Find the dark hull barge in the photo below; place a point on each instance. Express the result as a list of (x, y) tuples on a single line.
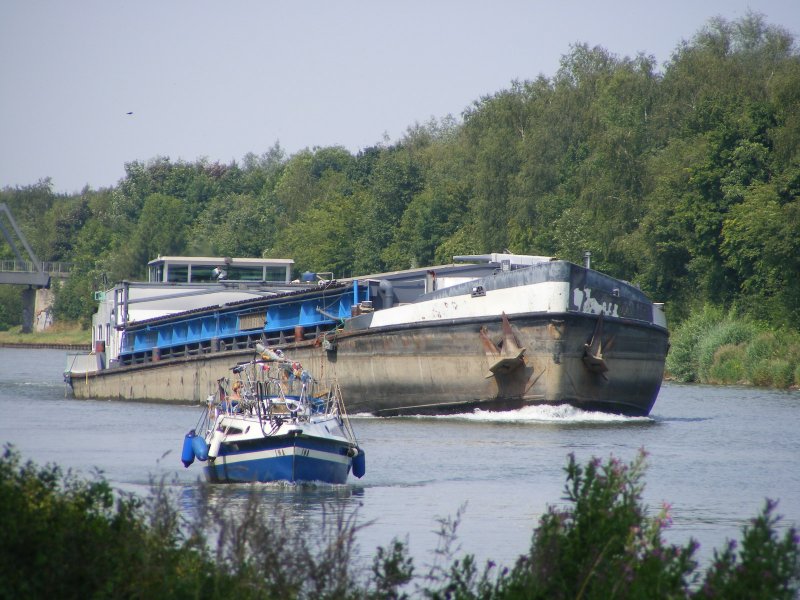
[(498, 335)]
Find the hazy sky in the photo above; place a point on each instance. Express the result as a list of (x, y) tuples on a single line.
[(219, 79)]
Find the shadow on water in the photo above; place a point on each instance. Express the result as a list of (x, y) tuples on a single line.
[(300, 498), (658, 419), (297, 494), (290, 515)]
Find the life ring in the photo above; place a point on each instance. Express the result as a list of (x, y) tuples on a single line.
[(292, 405)]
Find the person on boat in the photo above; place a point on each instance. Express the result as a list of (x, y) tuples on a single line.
[(235, 393)]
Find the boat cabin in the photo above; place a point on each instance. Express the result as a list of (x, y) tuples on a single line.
[(210, 269)]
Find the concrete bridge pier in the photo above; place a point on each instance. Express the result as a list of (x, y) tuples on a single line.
[(43, 314), (28, 308)]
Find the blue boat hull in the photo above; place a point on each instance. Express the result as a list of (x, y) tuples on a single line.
[(281, 458)]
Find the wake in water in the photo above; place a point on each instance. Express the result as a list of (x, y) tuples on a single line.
[(546, 413), (540, 413)]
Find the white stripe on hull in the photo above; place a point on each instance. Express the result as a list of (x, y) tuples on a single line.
[(549, 296), (229, 459)]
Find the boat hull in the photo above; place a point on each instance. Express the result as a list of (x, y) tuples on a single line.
[(553, 332), (440, 367), (281, 458)]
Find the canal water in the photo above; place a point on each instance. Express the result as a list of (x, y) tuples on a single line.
[(714, 454)]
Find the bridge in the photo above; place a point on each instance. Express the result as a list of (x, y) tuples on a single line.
[(27, 270), (20, 272)]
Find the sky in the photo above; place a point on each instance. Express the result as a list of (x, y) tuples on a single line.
[(88, 86)]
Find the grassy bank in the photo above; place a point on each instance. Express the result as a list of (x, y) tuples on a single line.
[(718, 348), (60, 334)]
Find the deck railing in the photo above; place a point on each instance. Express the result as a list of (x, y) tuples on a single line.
[(27, 266)]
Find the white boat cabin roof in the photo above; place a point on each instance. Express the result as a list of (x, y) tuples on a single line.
[(204, 269)]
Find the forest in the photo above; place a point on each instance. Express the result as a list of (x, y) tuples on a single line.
[(682, 178)]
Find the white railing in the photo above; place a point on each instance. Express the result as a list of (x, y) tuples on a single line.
[(27, 266)]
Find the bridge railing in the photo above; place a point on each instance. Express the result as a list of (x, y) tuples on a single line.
[(27, 266)]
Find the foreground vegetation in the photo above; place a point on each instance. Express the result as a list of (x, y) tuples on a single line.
[(68, 537)]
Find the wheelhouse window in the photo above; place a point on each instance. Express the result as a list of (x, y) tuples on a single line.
[(236, 273), (156, 273), (276, 274), (178, 273), (206, 269), (203, 273)]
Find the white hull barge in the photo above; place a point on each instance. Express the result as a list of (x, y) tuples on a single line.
[(548, 331)]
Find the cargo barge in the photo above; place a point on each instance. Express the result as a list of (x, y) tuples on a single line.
[(491, 332)]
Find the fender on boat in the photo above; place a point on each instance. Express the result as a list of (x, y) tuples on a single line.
[(359, 464), (187, 455), (213, 448), (200, 448)]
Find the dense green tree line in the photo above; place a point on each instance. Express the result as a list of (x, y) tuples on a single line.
[(683, 179)]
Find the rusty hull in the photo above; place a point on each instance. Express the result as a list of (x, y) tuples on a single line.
[(443, 367)]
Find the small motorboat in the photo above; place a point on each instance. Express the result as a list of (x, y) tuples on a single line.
[(267, 423)]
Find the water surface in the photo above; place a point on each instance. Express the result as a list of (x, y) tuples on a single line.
[(715, 454)]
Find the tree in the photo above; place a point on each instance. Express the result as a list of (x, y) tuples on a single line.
[(324, 238), (160, 230), (235, 225), (29, 204), (761, 244), (66, 219)]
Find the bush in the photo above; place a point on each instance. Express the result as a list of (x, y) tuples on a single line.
[(65, 537), (10, 306), (782, 373), (682, 360), (773, 359), (68, 538), (772, 372), (792, 354), (797, 375), (765, 567), (604, 545), (728, 365), (763, 347), (5, 322), (721, 334), (711, 348), (74, 300)]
